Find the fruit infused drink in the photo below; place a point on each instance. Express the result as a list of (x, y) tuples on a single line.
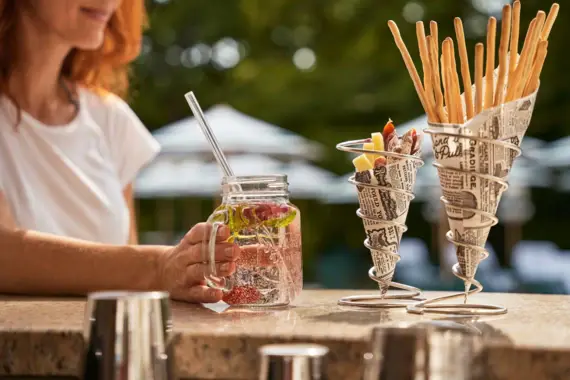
[(266, 226)]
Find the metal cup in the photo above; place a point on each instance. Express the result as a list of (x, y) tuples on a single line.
[(421, 354), (292, 362), (128, 337)]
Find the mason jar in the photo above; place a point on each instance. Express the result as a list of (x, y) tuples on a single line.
[(267, 227)]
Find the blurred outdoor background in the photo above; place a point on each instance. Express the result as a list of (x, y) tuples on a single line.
[(284, 81)]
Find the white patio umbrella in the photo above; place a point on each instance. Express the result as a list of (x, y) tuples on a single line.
[(556, 154), (236, 133), (172, 176), (305, 180), (169, 177), (341, 191), (308, 181)]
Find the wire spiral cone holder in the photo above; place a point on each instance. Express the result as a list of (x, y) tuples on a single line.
[(384, 195), (471, 195)]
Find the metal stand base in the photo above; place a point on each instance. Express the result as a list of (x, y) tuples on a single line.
[(465, 308), (384, 301)]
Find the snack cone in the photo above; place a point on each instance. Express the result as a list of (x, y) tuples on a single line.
[(473, 162), (384, 195)]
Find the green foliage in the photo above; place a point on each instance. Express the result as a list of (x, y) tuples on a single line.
[(359, 79)]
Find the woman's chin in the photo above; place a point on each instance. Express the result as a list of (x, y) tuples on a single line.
[(90, 41)]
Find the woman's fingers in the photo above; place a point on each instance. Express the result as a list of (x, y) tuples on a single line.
[(195, 273), (201, 233), (198, 253), (198, 294)]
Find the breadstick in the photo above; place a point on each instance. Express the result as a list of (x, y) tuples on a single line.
[(436, 80), (465, 73), (411, 68), (433, 30), (455, 83), (479, 53), (451, 74), (424, 55), (503, 51), (489, 73), (511, 91), (549, 22), (445, 70), (528, 56), (540, 24), (534, 79), (514, 44), (517, 75)]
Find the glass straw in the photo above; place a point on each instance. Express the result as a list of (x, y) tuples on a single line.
[(209, 133)]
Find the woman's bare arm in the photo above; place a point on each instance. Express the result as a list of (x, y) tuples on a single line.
[(37, 263), (130, 199)]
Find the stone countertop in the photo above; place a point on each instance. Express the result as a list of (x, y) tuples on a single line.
[(43, 336)]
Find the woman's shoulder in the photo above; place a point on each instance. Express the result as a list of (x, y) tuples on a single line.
[(110, 112), (100, 102), (131, 144)]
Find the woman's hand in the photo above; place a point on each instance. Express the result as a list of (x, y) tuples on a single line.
[(182, 268)]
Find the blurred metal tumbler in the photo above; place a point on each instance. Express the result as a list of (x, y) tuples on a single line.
[(128, 337), (292, 362), (421, 354)]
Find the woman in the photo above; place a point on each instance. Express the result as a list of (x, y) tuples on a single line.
[(69, 151)]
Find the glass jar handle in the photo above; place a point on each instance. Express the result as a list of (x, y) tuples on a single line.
[(209, 253)]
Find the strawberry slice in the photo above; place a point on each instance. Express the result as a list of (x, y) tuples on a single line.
[(263, 212), (240, 295), (275, 211)]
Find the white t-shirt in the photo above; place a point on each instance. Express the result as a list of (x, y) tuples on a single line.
[(68, 180)]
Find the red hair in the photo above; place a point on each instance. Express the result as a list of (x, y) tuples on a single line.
[(104, 69)]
